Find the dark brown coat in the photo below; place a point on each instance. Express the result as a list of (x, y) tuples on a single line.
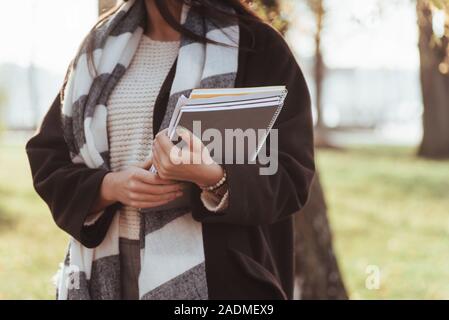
[(249, 247)]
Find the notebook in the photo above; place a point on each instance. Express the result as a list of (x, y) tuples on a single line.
[(228, 109), (231, 108)]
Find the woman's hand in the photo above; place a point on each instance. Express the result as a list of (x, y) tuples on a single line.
[(191, 163), (138, 188)]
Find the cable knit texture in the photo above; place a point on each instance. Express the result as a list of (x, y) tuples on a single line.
[(130, 114)]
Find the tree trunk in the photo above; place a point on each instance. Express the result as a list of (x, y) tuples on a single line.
[(319, 69), (319, 65), (435, 87), (33, 90), (317, 272), (105, 5)]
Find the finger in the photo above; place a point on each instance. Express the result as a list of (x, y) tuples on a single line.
[(167, 182), (190, 139), (157, 162), (184, 134), (164, 144), (145, 164), (167, 160), (140, 187), (159, 152), (162, 133), (151, 178)]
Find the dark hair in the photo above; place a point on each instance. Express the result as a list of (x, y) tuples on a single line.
[(210, 8)]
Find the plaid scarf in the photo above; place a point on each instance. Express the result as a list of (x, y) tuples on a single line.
[(172, 253)]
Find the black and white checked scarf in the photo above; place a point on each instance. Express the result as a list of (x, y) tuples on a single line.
[(172, 253)]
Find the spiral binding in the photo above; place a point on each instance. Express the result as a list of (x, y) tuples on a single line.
[(279, 108), (271, 124)]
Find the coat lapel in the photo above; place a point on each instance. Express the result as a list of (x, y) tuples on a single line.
[(162, 99)]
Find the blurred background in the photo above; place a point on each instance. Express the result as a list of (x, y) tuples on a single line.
[(377, 223)]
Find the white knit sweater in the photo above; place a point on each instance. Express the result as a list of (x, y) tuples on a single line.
[(130, 114), (130, 119)]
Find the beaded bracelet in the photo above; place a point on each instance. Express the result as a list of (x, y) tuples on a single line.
[(217, 185)]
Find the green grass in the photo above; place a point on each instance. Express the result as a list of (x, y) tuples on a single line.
[(31, 246), (387, 208)]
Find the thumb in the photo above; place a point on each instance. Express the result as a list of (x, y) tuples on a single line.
[(192, 141), (146, 164)]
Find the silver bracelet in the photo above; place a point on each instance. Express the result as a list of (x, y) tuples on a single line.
[(217, 185)]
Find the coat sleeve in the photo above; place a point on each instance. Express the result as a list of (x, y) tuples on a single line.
[(69, 189), (256, 199)]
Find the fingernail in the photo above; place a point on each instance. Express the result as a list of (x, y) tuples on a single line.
[(180, 129)]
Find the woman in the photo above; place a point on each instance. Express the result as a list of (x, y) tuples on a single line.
[(232, 237)]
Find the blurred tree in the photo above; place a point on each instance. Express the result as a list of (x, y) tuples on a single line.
[(104, 5), (33, 93), (434, 58), (317, 269), (318, 10), (3, 99), (32, 74), (270, 11)]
